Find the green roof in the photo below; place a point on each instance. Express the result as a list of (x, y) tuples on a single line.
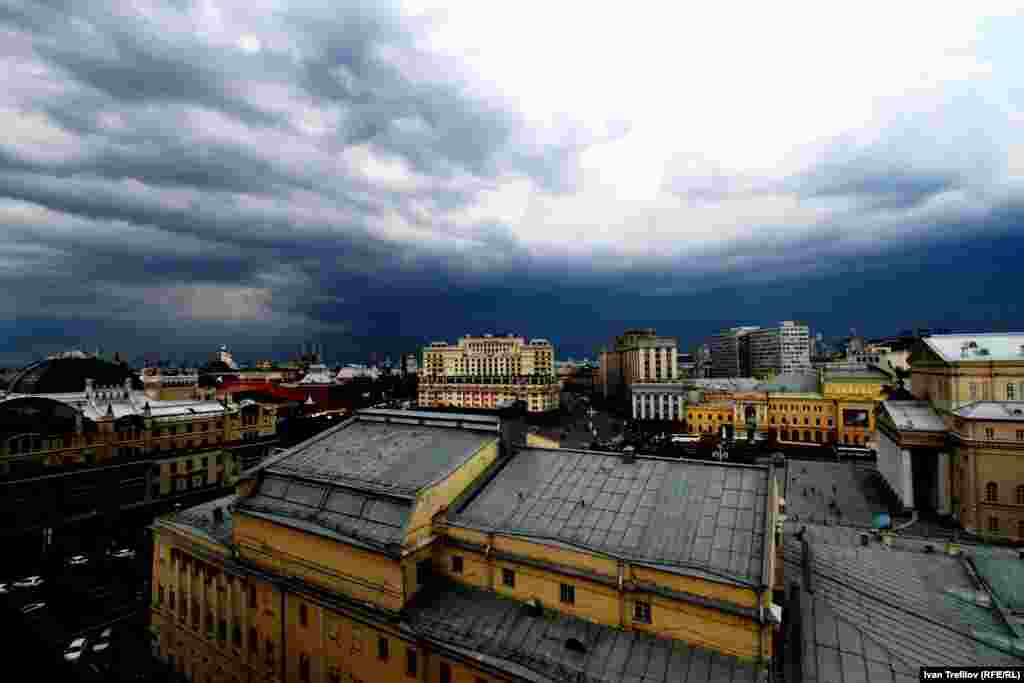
[(1006, 577)]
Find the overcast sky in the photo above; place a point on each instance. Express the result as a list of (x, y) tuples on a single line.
[(183, 174)]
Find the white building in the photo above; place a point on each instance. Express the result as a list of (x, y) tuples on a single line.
[(658, 401), (784, 349)]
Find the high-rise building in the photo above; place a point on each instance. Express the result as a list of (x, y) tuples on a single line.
[(639, 356), (727, 352), (779, 350), (484, 372)]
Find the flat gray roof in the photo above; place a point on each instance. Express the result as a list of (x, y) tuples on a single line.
[(503, 631), (682, 513), (396, 459), (357, 482)]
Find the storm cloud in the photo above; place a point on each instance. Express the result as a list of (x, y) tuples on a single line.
[(180, 174)]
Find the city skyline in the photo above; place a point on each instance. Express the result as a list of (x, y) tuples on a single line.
[(184, 175)]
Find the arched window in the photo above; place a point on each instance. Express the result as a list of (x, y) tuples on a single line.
[(992, 492)]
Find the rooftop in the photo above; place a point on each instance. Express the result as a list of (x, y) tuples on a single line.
[(865, 372), (992, 410), (877, 614), (986, 347), (687, 514), (914, 416), (398, 458), (203, 520), (359, 480), (504, 632)]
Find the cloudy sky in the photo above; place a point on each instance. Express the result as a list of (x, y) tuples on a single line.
[(180, 174)]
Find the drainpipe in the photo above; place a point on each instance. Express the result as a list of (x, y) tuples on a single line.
[(284, 633)]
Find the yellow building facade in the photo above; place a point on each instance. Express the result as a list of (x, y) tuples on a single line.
[(305, 578), (959, 448), (484, 372)]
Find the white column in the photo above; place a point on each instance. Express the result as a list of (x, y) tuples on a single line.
[(674, 362), (942, 503), (643, 406), (908, 479)]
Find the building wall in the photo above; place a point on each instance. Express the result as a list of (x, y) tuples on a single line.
[(598, 598), (345, 569), (432, 499), (658, 402)]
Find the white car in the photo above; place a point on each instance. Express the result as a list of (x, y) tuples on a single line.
[(103, 642), (74, 650), (5, 588), (33, 607), (77, 560), (123, 553), (29, 582)]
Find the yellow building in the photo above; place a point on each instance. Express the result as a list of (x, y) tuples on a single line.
[(168, 384), (191, 444), (708, 418), (411, 546), (960, 449), (484, 372)]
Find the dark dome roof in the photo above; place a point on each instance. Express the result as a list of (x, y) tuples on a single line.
[(67, 375)]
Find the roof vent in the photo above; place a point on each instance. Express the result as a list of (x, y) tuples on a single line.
[(574, 645)]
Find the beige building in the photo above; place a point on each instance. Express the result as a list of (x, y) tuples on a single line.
[(404, 546), (960, 450), (639, 356), (168, 384), (484, 372)]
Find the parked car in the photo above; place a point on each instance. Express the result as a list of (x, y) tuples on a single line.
[(33, 607), (29, 582), (77, 560), (123, 553), (74, 650), (5, 588)]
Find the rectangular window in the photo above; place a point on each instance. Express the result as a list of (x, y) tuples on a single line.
[(174, 468), (222, 630), (1020, 435), (252, 597), (972, 387), (642, 612), (990, 433), (456, 564), (446, 673), (203, 427), (568, 594), (508, 577), (1010, 392), (382, 649), (993, 524), (303, 614), (411, 663), (203, 462)]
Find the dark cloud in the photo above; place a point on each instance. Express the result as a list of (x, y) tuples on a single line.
[(170, 188)]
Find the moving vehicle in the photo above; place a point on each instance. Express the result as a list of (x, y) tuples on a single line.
[(123, 553), (74, 650), (103, 642), (33, 607), (29, 582), (77, 560)]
